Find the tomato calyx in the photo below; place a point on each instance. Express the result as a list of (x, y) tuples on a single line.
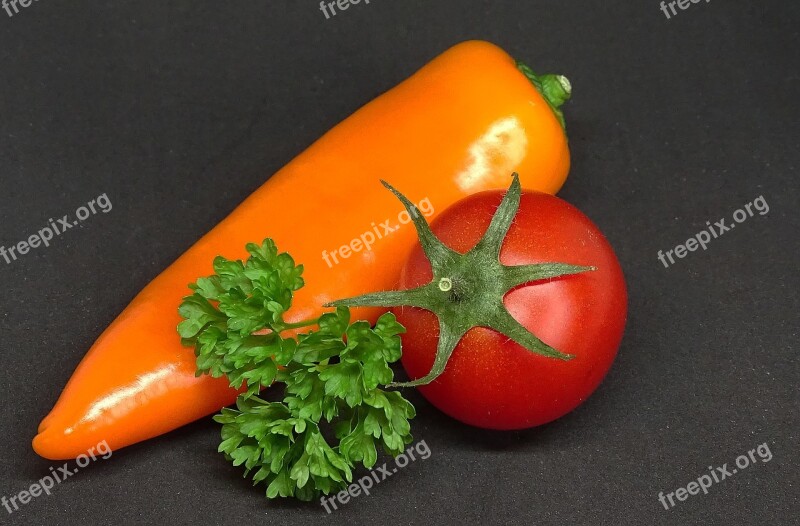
[(467, 290)]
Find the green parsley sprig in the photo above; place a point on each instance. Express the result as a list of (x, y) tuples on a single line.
[(332, 377)]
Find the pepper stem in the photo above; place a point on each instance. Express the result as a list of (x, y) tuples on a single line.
[(556, 89)]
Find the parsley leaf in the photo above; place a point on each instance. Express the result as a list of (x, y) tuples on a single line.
[(334, 413), (234, 318)]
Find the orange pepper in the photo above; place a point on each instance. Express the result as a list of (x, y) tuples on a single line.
[(460, 125)]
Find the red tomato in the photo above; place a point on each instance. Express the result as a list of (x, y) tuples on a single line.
[(491, 381)]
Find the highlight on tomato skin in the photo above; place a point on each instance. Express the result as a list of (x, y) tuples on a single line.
[(491, 381)]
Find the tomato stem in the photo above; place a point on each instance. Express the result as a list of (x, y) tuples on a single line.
[(475, 284)]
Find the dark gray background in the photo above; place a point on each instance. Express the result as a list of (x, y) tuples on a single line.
[(178, 110)]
